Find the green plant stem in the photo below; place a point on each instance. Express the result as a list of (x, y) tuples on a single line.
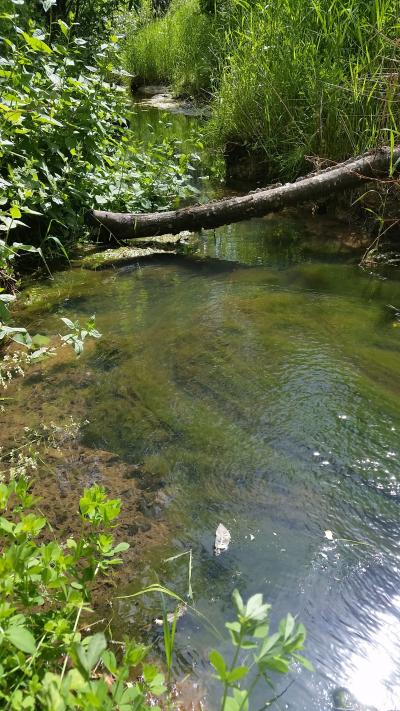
[(232, 666), (64, 667)]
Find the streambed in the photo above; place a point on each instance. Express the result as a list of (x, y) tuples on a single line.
[(261, 389)]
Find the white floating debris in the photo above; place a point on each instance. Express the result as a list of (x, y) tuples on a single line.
[(329, 535), (179, 612), (316, 454), (222, 539), (343, 417), (252, 537)]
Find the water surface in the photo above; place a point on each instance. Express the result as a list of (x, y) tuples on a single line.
[(263, 390)]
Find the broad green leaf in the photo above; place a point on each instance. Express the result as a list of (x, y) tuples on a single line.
[(21, 638), (6, 525), (14, 116), (236, 674), (36, 44), (96, 646), (110, 661), (277, 664), (218, 662)]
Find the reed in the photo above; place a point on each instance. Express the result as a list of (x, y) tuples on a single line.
[(289, 78)]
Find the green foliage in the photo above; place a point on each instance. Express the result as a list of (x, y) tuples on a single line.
[(45, 587), (65, 143), (265, 653), (291, 79), (45, 662), (177, 48), (309, 79), (77, 336)]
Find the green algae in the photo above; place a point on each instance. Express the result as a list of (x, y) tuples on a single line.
[(264, 394)]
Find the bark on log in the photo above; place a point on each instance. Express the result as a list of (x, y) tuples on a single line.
[(256, 204)]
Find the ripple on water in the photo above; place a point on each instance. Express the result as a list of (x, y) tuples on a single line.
[(266, 398)]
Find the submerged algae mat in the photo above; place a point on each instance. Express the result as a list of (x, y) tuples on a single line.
[(264, 395)]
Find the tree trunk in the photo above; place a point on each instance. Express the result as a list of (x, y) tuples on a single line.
[(222, 212)]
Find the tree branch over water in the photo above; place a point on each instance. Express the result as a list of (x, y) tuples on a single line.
[(341, 177)]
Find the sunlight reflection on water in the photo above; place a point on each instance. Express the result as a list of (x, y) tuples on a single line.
[(373, 669)]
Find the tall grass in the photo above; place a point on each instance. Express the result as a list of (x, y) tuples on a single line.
[(290, 78), (176, 49), (310, 78)]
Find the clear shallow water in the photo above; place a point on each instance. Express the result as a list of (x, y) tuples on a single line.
[(262, 389)]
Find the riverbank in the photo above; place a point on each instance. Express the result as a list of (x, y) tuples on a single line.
[(290, 86)]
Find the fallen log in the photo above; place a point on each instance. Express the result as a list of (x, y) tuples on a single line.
[(256, 204)]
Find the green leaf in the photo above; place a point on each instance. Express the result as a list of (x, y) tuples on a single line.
[(236, 674), (15, 212), (68, 322), (6, 525), (21, 638), (14, 116), (36, 44), (218, 662), (96, 646), (63, 27), (304, 662), (277, 664), (287, 626), (237, 601), (269, 644), (110, 661)]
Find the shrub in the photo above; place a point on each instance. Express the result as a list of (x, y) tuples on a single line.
[(65, 144)]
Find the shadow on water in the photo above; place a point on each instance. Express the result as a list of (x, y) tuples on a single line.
[(264, 395)]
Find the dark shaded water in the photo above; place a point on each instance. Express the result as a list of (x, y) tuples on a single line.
[(263, 390)]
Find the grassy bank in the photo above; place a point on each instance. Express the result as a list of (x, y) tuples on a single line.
[(290, 79), (177, 48)]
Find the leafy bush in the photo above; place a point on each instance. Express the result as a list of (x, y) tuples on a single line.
[(45, 587), (65, 144)]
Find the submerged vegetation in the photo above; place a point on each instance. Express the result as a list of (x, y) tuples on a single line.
[(291, 80), (52, 657)]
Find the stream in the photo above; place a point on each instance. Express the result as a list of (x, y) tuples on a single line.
[(260, 389)]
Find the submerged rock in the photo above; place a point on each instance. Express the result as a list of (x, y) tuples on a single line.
[(140, 248), (222, 539), (343, 700)]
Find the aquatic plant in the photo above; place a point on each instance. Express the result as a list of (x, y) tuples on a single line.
[(269, 653), (78, 334)]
